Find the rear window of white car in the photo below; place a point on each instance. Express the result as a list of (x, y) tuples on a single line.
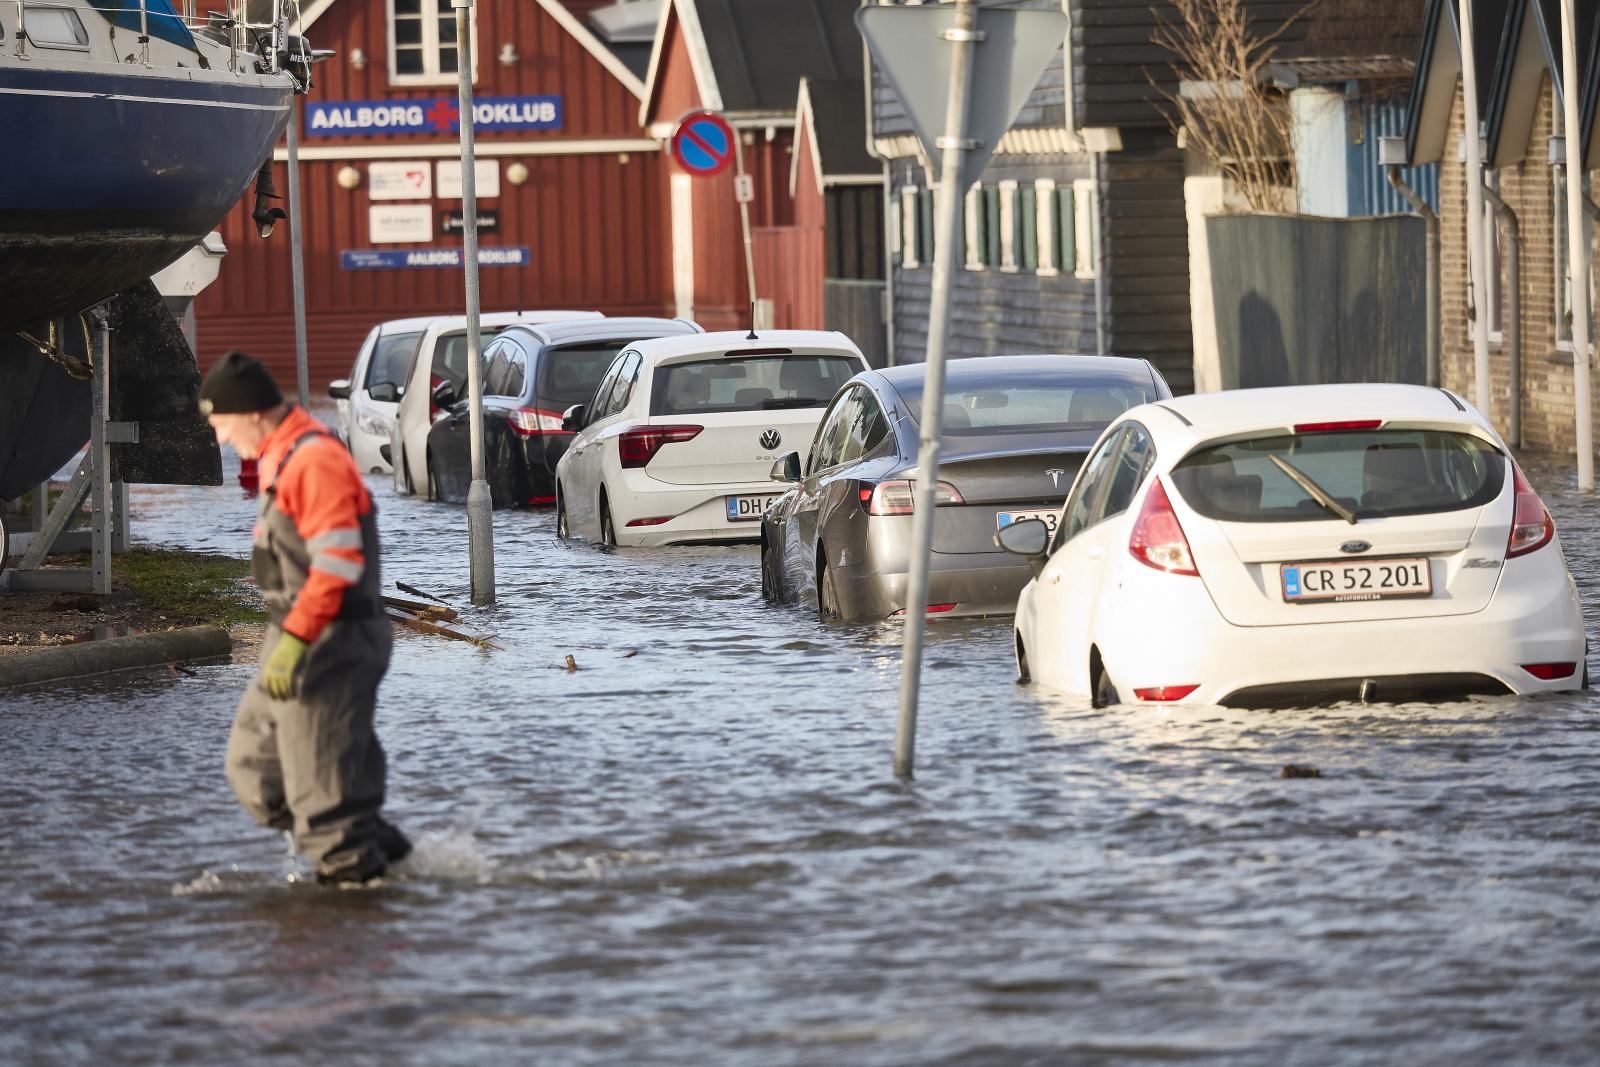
[(1374, 473), (749, 383), (450, 355)]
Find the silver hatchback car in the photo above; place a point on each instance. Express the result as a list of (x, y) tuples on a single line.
[(1016, 429)]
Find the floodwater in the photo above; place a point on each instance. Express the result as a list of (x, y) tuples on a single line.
[(692, 850)]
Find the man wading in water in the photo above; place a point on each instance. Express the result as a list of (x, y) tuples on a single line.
[(303, 755)]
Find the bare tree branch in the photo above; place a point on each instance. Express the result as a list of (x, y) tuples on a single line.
[(1225, 100)]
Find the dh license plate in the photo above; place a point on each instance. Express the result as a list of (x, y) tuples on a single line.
[(749, 508), (1003, 519), (1337, 580)]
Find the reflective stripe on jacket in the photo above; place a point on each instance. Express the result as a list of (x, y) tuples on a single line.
[(315, 551)]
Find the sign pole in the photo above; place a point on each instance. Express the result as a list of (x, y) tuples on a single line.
[(740, 186), (297, 257), (1478, 309), (480, 506), (1577, 249), (953, 144)]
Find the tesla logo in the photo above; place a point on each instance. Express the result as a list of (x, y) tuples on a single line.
[(1055, 477), (771, 439)]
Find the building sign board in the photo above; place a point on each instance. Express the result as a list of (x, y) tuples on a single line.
[(486, 170), (410, 180), (373, 118), (399, 223), (455, 221), (435, 258)]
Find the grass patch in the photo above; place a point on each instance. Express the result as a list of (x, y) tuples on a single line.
[(189, 585)]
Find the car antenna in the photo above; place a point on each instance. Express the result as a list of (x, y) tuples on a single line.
[(751, 336)]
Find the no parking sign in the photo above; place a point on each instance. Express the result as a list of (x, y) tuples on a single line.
[(703, 143)]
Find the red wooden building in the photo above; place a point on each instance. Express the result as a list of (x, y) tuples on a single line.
[(577, 194), (745, 59)]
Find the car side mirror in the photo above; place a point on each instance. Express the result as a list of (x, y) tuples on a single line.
[(1030, 538), (339, 390), (384, 392), (444, 395), (572, 418), (787, 468)]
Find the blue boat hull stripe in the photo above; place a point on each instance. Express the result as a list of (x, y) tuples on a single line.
[(144, 99)]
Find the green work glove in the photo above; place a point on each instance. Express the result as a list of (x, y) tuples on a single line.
[(280, 667)]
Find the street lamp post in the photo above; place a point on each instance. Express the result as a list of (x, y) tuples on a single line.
[(480, 507)]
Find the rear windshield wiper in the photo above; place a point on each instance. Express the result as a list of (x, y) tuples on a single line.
[(791, 402), (1319, 494)]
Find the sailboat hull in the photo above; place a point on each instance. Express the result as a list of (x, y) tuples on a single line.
[(114, 170)]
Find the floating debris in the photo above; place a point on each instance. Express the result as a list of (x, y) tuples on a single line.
[(414, 591), (1291, 770), (572, 664)]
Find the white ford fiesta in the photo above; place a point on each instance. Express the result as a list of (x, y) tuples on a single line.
[(1302, 545), (677, 445)]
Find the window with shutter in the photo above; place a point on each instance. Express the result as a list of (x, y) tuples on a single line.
[(1028, 227)]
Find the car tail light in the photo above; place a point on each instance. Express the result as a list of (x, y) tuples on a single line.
[(539, 501), (1336, 427), (932, 609), (1531, 525), (1158, 539), (536, 422), (899, 497), (657, 521), (639, 446), (1549, 672), (1165, 693)]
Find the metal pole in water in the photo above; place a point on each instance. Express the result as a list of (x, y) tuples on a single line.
[(297, 258), (100, 450), (480, 506), (1475, 257), (1577, 250), (961, 37)]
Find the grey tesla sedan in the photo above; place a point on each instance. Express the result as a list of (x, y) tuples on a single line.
[(1016, 429)]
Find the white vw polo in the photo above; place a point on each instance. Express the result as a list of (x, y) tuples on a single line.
[(677, 445), (1300, 545)]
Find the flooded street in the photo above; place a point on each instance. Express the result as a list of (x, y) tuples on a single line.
[(692, 849)]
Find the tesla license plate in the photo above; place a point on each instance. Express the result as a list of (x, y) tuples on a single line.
[(1003, 519), (749, 508), (1373, 579)]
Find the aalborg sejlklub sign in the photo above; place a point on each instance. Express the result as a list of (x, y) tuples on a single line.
[(367, 118)]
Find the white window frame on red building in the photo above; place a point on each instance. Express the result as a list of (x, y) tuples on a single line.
[(432, 47)]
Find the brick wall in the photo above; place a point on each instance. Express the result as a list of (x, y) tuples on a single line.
[(1547, 374)]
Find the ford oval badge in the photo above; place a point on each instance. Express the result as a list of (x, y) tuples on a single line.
[(1354, 546)]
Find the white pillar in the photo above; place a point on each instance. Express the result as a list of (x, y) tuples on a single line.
[(1474, 178), (1577, 249)]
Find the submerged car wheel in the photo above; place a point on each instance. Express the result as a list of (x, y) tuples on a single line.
[(561, 515), (827, 595), (1023, 674), (1105, 693), (433, 479), (771, 578), (608, 532)]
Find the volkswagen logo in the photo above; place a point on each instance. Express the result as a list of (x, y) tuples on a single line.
[(771, 439), (1055, 476), (1354, 546)]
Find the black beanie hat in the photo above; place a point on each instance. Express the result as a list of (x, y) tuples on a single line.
[(238, 385)]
